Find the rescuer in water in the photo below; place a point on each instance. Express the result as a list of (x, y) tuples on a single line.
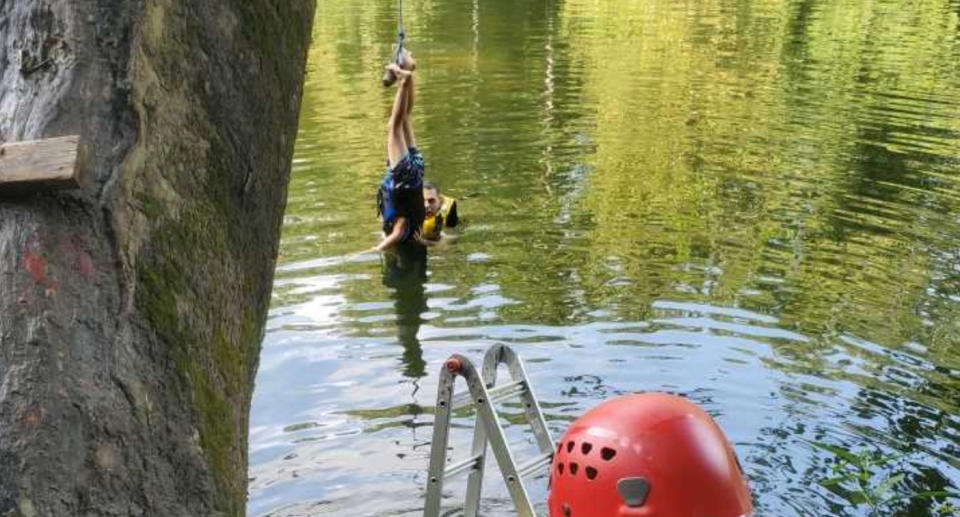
[(441, 212)]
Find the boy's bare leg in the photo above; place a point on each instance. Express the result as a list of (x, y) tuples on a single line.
[(408, 63), (396, 141), (409, 138)]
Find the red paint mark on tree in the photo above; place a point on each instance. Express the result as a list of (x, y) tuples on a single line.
[(32, 416), (36, 266)]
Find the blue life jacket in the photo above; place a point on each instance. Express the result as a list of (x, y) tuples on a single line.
[(401, 194)]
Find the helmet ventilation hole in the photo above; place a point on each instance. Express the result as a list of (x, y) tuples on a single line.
[(607, 453), (585, 448), (569, 446), (559, 468), (591, 473), (574, 468)]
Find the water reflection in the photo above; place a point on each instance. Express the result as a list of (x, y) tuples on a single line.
[(405, 271), (753, 204)]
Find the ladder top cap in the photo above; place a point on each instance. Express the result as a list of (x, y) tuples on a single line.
[(453, 365)]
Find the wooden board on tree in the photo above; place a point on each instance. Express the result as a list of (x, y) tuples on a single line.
[(39, 164)]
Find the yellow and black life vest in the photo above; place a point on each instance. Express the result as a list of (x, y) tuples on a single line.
[(445, 217)]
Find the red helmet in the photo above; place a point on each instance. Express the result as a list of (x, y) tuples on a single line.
[(650, 455)]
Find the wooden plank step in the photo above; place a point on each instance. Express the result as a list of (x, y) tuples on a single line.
[(39, 164)]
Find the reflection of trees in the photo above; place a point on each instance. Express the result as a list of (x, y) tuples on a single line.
[(803, 174), (747, 165), (620, 151)]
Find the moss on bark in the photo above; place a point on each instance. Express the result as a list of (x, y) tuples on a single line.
[(133, 376)]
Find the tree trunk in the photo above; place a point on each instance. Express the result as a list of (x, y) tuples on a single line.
[(132, 309)]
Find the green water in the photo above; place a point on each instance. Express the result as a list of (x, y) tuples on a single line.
[(754, 204)]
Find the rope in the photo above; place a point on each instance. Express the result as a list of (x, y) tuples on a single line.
[(400, 34), (388, 77)]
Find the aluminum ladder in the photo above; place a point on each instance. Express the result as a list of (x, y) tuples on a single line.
[(483, 394)]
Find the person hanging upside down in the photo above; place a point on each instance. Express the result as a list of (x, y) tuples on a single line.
[(400, 199)]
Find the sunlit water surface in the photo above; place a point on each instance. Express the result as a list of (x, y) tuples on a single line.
[(754, 204)]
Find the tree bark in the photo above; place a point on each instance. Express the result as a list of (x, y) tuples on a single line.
[(132, 310)]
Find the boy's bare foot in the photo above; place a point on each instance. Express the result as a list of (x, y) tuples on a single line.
[(399, 72), (406, 60)]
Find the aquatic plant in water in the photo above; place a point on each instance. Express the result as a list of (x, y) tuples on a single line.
[(868, 479)]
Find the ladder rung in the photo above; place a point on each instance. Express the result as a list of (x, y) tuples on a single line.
[(461, 400), (497, 394), (461, 467), (535, 464), (506, 391)]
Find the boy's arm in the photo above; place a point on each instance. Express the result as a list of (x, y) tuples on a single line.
[(399, 228)]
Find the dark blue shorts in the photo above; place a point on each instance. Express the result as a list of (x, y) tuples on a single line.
[(409, 170)]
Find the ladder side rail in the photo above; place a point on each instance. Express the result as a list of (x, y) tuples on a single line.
[(438, 444), (498, 354), (498, 444), (531, 406), (471, 507)]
